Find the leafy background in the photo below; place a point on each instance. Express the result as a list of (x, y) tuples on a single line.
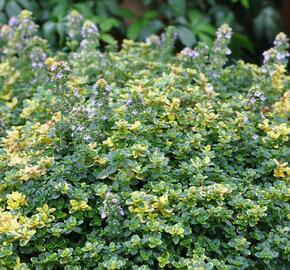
[(255, 22)]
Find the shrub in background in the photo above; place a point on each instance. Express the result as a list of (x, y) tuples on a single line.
[(139, 158), (255, 22)]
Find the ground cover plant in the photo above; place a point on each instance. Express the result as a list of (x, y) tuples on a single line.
[(139, 158)]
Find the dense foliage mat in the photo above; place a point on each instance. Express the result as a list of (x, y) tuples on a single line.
[(141, 159)]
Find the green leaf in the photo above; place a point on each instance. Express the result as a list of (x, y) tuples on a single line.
[(2, 3), (2, 17), (194, 17), (84, 9), (59, 12), (205, 38), (150, 15), (106, 172), (178, 6), (206, 28), (111, 169), (186, 36), (151, 28), (108, 39), (25, 4), (244, 41), (134, 30), (48, 29), (200, 26), (118, 11), (12, 8), (245, 3), (106, 24), (223, 14), (60, 28), (267, 23)]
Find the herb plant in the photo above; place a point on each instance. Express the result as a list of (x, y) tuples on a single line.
[(140, 158)]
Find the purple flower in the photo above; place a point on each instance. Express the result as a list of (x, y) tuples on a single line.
[(31, 27), (255, 137), (252, 100), (266, 56), (91, 112), (53, 68), (282, 56), (19, 46), (89, 30), (84, 43), (228, 51), (107, 88), (58, 76), (129, 101), (228, 35), (189, 52), (76, 93), (79, 128), (258, 94), (87, 138), (74, 20), (37, 58), (13, 21)]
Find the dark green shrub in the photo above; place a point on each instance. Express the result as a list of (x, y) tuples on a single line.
[(141, 159)]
